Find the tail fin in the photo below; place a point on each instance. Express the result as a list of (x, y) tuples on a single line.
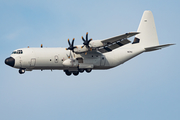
[(148, 35)]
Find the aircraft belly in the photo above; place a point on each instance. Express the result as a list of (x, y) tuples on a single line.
[(94, 61), (120, 56)]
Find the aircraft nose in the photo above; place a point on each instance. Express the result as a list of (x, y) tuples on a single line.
[(10, 61)]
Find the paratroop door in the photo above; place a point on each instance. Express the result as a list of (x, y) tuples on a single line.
[(103, 60), (33, 62)]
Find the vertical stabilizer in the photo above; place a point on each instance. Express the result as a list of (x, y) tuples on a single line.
[(148, 35)]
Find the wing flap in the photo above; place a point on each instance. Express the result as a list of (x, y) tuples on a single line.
[(113, 46)]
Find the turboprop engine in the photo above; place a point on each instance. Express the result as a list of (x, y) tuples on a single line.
[(80, 49), (96, 44), (92, 45), (88, 44)]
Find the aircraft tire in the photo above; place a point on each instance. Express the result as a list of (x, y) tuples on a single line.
[(21, 71), (88, 70), (81, 70), (68, 73), (76, 73)]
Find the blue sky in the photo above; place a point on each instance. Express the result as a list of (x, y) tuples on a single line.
[(146, 87)]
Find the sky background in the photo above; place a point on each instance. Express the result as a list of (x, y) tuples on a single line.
[(144, 88)]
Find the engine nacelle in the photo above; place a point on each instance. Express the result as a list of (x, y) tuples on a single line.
[(81, 49), (92, 44), (70, 63), (96, 44)]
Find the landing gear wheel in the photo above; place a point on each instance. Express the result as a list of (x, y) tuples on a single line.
[(68, 73), (88, 70), (21, 71), (76, 73), (81, 70)]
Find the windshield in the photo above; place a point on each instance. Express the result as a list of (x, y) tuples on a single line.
[(17, 52)]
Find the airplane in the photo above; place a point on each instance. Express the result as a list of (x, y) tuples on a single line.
[(92, 55)]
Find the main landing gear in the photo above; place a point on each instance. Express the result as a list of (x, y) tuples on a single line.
[(21, 71), (75, 73)]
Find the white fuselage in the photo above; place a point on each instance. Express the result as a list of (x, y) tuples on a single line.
[(96, 54), (53, 58)]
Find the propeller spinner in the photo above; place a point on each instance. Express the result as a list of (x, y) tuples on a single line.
[(71, 45), (86, 41)]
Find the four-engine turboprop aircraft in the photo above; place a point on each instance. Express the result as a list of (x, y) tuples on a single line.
[(93, 54)]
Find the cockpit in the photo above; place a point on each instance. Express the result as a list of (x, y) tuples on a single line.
[(17, 52)]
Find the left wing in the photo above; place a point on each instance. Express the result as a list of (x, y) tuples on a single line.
[(115, 42)]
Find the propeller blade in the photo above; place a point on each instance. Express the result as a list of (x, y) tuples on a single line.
[(71, 55), (71, 45), (73, 41), (87, 36), (67, 55), (86, 41), (83, 38), (69, 42)]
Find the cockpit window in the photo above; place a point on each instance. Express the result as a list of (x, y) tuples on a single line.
[(17, 52)]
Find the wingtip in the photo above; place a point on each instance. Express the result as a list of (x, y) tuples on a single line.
[(135, 32), (172, 44)]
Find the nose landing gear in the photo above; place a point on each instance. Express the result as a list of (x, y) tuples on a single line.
[(22, 71)]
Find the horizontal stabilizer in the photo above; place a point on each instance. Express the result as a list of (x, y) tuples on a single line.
[(157, 47)]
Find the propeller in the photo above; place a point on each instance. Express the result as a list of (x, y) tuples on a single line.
[(86, 41), (71, 45), (70, 56)]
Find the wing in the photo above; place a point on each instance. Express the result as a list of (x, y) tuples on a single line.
[(115, 42)]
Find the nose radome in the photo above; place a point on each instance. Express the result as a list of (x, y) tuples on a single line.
[(10, 61)]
